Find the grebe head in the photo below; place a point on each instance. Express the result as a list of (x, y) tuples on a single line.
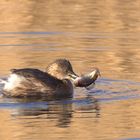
[(61, 69)]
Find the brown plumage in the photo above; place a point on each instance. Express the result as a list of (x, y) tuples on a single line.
[(35, 83), (56, 82)]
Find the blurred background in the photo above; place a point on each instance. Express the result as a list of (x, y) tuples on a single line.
[(90, 33)]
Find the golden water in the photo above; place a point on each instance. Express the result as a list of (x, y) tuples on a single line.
[(90, 33)]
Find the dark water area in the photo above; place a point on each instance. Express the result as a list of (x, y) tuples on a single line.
[(90, 33)]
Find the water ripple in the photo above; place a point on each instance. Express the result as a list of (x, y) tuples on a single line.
[(106, 90)]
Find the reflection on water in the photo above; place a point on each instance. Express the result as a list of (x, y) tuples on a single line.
[(111, 107), (90, 33), (45, 119)]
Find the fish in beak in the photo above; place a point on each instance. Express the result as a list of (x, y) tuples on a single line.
[(86, 80)]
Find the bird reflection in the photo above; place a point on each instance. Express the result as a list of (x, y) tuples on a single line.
[(45, 110), (60, 111)]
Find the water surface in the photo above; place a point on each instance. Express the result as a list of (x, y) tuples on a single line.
[(91, 33)]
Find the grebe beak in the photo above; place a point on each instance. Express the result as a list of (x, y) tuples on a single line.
[(72, 76)]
